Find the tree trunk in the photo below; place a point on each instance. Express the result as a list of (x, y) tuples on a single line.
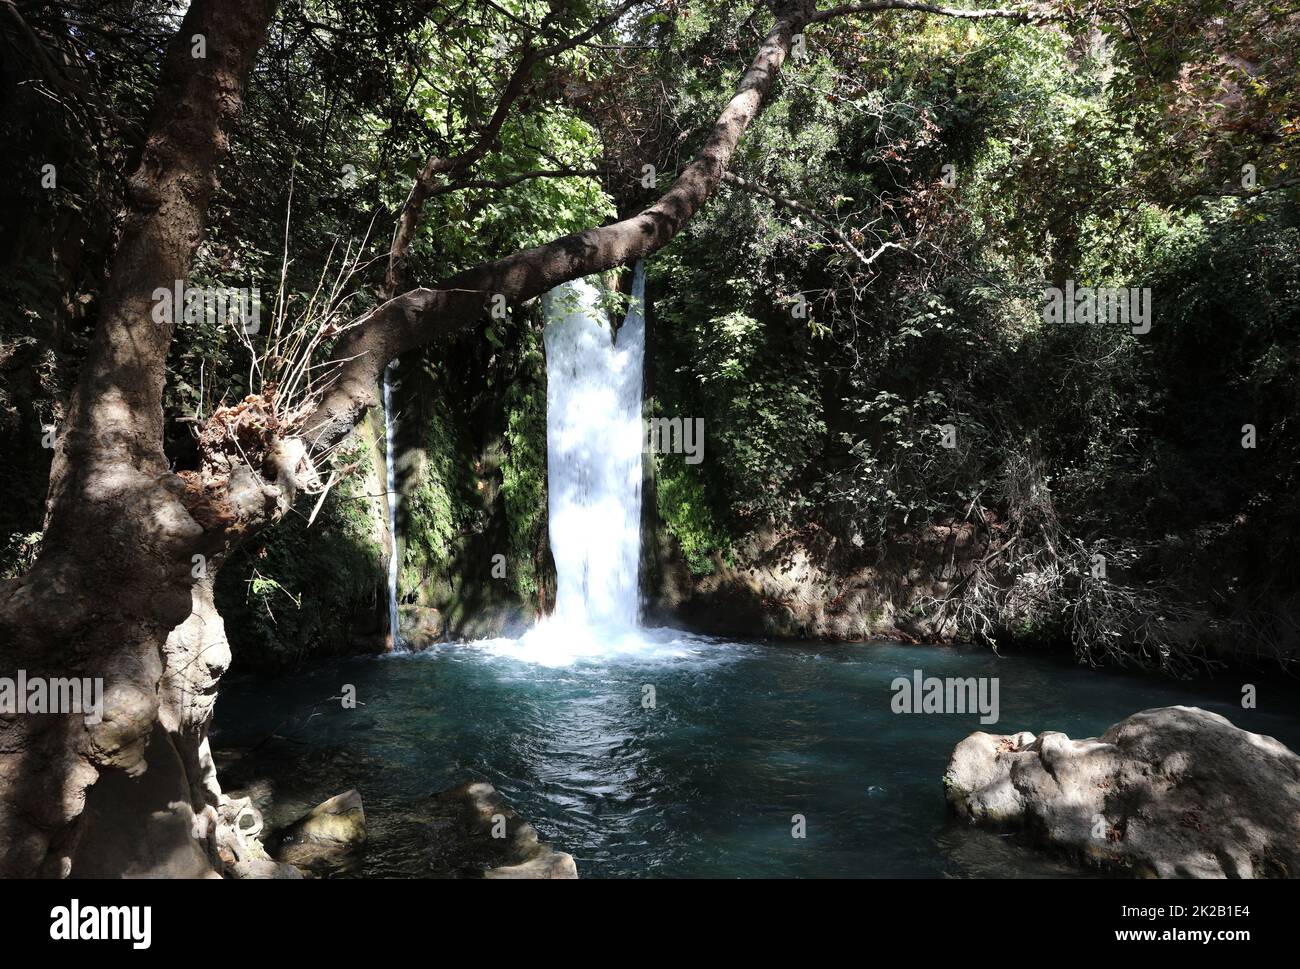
[(117, 567)]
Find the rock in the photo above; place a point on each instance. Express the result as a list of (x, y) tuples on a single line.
[(327, 837), (484, 837), (239, 847), (421, 626), (809, 584), (1172, 792), (262, 868), (424, 627)]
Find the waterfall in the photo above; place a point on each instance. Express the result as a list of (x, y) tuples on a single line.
[(594, 442), (390, 463)]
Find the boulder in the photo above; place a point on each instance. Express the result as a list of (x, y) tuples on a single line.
[(421, 626), (326, 837), (1172, 792), (482, 836)]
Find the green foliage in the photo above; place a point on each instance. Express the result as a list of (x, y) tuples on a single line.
[(306, 589), (834, 419), (18, 553), (1098, 153), (685, 511)]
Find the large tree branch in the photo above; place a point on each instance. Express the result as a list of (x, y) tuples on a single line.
[(119, 390), (1024, 15), (417, 316)]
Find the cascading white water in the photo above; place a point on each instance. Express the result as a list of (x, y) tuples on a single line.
[(390, 463), (594, 440)]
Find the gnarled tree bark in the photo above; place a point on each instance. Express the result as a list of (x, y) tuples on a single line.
[(117, 569)]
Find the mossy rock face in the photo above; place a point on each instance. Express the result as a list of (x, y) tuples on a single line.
[(298, 591), (472, 470), (425, 626), (792, 585), (421, 625)]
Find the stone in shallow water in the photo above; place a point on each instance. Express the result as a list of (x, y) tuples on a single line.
[(1172, 792), (327, 837), (484, 837)]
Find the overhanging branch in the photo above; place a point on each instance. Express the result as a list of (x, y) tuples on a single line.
[(1024, 15), (419, 315)]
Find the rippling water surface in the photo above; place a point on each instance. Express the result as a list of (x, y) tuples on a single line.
[(741, 737)]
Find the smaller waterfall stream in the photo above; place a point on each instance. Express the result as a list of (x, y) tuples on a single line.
[(390, 466)]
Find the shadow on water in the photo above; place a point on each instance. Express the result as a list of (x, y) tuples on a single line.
[(708, 780)]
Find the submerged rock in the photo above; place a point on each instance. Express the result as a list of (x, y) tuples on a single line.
[(327, 837), (482, 836), (1172, 792)]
